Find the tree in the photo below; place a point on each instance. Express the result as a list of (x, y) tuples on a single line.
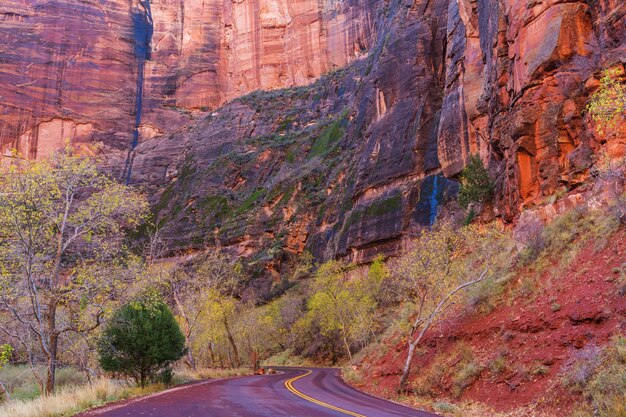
[(607, 109), (607, 106), (5, 355), (338, 305), (442, 263), (216, 335), (141, 339), (476, 185), (195, 289), (59, 219)]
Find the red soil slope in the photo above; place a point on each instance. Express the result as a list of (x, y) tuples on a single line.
[(538, 332)]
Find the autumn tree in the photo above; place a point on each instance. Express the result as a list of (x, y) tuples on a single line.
[(442, 263), (217, 335), (607, 108), (5, 355), (279, 320), (607, 105), (198, 289), (60, 219), (340, 305)]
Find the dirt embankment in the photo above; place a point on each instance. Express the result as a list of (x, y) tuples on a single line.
[(513, 359)]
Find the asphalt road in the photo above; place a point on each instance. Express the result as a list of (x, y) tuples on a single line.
[(294, 392)]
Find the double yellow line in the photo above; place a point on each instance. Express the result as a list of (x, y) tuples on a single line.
[(290, 387)]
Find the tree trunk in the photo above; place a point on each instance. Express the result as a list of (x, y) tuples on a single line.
[(212, 353), (407, 366), (53, 349), (50, 376), (231, 340), (412, 345), (347, 346), (181, 310), (189, 359), (6, 391)]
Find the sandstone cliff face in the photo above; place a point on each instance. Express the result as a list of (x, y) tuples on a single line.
[(518, 77), (122, 71), (346, 166)]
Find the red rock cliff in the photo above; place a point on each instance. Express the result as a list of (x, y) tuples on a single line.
[(72, 69), (347, 166)]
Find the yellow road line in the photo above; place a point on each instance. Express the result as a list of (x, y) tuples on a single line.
[(290, 387)]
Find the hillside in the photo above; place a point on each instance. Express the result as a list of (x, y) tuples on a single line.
[(525, 346)]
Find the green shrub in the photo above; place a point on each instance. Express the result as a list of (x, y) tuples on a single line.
[(141, 341), (465, 377), (444, 407), (476, 185)]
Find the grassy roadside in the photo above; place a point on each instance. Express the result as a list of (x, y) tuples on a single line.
[(71, 400)]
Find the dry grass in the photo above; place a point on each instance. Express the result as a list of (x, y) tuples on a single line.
[(601, 378), (72, 399), (351, 375), (22, 384), (66, 402)]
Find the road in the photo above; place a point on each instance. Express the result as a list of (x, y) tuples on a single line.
[(293, 392)]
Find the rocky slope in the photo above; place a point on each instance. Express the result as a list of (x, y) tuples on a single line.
[(347, 165)]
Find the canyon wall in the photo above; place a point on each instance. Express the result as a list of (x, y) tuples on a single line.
[(519, 75), (123, 71), (375, 108)]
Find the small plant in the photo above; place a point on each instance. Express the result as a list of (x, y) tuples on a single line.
[(476, 185), (540, 370), (555, 307), (141, 341), (351, 375), (444, 407), (582, 369), (600, 375), (607, 106), (527, 287), (5, 355), (530, 233), (621, 283), (498, 365), (466, 376)]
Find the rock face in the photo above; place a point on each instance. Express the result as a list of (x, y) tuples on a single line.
[(517, 82), (122, 71), (347, 164)]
